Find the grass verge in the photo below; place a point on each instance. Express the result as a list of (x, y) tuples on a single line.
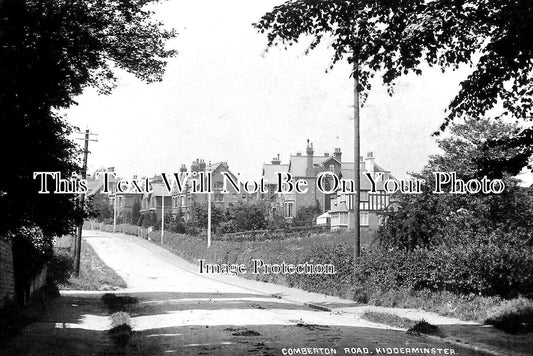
[(333, 248), (94, 273), (389, 319)]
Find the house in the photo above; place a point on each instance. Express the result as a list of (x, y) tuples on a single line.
[(102, 201), (270, 176), (125, 203), (308, 167), (371, 204), (184, 201), (158, 200)]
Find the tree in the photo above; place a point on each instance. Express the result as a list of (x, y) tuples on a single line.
[(396, 37), (135, 211), (428, 219), (244, 217), (199, 216), (50, 51), (100, 208), (306, 216)]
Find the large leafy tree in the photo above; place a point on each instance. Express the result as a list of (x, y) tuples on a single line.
[(428, 219), (50, 51), (397, 37)]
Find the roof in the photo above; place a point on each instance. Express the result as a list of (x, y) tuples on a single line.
[(160, 189), (270, 172), (363, 179), (94, 186), (339, 208), (298, 164)]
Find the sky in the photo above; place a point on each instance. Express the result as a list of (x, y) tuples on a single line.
[(224, 98)]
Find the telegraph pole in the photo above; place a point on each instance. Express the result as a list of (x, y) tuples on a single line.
[(162, 214), (209, 209), (357, 153), (77, 243)]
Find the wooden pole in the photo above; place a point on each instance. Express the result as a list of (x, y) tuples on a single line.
[(357, 153)]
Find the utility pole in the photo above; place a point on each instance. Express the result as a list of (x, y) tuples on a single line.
[(209, 208), (115, 212), (357, 153), (162, 214), (77, 243)]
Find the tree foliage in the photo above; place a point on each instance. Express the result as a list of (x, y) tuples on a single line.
[(244, 217), (393, 38), (428, 219), (50, 50), (306, 216)]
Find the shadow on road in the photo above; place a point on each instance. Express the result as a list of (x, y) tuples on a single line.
[(201, 324)]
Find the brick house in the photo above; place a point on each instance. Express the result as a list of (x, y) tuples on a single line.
[(96, 189), (184, 201), (159, 198), (300, 167), (308, 167), (125, 203), (270, 176)]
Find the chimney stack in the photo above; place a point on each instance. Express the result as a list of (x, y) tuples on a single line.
[(194, 166), (276, 160), (201, 165), (310, 171), (369, 162), (337, 154), (183, 168), (309, 150)]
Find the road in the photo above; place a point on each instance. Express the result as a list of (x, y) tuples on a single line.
[(182, 312)]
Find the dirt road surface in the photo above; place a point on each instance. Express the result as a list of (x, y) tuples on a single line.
[(181, 312)]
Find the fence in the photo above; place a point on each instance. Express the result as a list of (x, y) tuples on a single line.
[(155, 235)]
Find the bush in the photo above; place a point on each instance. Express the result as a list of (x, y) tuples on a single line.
[(148, 219), (60, 267), (306, 216), (499, 268)]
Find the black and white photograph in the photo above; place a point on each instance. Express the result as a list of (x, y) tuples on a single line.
[(269, 177)]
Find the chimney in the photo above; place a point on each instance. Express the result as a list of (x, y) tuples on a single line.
[(369, 162), (183, 168), (326, 154), (201, 165), (337, 153), (276, 160), (298, 154), (194, 166), (111, 169), (310, 171), (309, 150)]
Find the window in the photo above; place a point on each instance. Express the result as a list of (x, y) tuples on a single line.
[(219, 197), (219, 185), (344, 218), (289, 209), (363, 218), (332, 168)]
